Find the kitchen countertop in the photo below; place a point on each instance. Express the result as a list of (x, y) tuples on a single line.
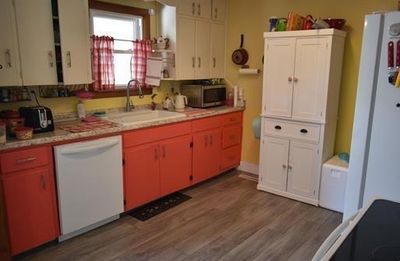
[(59, 135)]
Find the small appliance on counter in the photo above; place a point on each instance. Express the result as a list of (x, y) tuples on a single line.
[(39, 118), (204, 96)]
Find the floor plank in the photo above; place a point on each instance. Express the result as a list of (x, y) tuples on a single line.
[(226, 219)]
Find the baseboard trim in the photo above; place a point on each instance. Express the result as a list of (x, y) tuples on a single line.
[(248, 167)]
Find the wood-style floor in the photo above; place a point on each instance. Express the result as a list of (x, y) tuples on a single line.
[(226, 219)]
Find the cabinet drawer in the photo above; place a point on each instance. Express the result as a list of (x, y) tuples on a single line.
[(207, 123), (301, 131), (231, 136), (156, 133), (232, 118), (230, 157), (25, 159)]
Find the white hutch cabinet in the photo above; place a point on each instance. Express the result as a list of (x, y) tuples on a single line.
[(302, 74)]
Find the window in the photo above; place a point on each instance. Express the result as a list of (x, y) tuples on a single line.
[(124, 29)]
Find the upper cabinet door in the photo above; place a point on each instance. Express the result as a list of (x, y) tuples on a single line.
[(195, 8), (203, 50), (278, 77), (203, 9), (9, 58), (310, 78), (36, 41), (217, 50), (75, 41), (186, 57), (187, 7), (218, 10)]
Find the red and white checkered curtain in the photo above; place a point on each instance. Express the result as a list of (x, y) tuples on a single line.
[(103, 63), (141, 50)]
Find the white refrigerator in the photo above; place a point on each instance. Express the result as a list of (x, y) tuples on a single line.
[(374, 169)]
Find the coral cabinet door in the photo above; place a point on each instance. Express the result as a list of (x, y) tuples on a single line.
[(31, 208), (141, 180), (206, 154), (175, 164)]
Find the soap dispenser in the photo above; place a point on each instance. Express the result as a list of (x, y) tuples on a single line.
[(81, 109)]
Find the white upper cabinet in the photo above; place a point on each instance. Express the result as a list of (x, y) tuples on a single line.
[(310, 78), (36, 42), (197, 40), (202, 49), (29, 54), (218, 10), (193, 43), (9, 57), (302, 68), (217, 50), (186, 57), (75, 41), (195, 8), (278, 75)]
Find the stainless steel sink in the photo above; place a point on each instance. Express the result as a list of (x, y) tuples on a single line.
[(144, 116)]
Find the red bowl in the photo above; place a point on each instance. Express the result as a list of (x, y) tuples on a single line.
[(335, 23)]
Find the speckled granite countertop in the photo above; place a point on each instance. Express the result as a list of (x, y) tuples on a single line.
[(59, 135)]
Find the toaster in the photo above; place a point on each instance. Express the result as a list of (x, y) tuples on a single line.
[(39, 118)]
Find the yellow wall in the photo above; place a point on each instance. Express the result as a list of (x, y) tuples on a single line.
[(251, 19)]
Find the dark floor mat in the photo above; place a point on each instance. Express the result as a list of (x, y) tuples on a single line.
[(158, 206)]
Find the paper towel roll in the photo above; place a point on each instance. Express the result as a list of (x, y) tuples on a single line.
[(248, 71)]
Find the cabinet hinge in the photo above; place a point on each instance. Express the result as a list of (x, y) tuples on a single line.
[(321, 113), (124, 202), (191, 177), (191, 144), (318, 151), (123, 161)]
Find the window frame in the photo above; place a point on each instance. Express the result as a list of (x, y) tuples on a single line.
[(122, 9)]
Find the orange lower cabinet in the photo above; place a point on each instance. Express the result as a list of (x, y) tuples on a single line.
[(230, 157), (31, 208), (141, 179), (206, 154), (175, 164)]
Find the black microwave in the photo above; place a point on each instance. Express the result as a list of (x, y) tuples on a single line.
[(203, 96)]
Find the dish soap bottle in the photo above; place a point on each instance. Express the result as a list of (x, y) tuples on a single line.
[(81, 109)]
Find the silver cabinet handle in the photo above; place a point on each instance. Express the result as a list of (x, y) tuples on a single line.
[(193, 8), (216, 13), (214, 62), (206, 140), (43, 182), (199, 60), (25, 160), (295, 79), (290, 79), (198, 9), (69, 59), (8, 58), (193, 62), (290, 167), (284, 166), (164, 152), (50, 56)]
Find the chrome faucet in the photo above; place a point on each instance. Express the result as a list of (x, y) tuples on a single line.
[(129, 105)]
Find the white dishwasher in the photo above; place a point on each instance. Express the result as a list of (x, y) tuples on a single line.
[(89, 184)]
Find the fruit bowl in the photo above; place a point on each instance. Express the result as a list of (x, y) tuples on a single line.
[(336, 23)]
